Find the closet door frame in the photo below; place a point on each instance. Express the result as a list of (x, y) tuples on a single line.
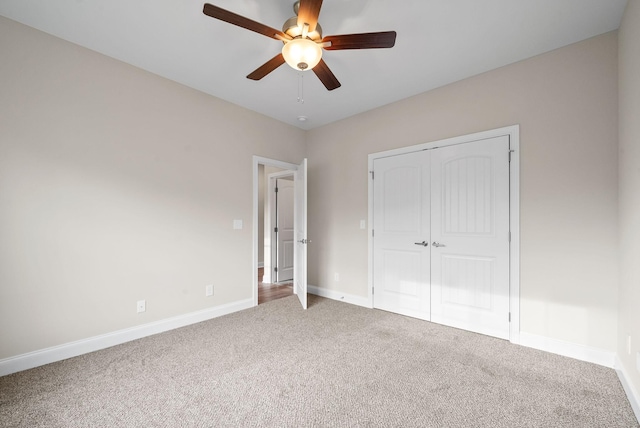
[(513, 132)]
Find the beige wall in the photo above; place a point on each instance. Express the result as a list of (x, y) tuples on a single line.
[(114, 187), (629, 71), (566, 104)]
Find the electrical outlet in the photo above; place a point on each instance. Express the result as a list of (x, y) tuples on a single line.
[(141, 306), (237, 224), (208, 291), (336, 277), (363, 224)]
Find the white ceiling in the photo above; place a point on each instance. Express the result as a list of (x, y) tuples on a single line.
[(438, 42)]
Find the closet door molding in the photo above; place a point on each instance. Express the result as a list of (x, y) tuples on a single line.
[(512, 134)]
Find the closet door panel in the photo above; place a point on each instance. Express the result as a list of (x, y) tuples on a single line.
[(401, 226), (470, 236)]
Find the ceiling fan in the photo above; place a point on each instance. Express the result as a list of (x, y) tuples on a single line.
[(303, 41)]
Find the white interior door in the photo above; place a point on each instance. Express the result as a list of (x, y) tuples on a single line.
[(300, 221), (401, 225), (470, 236), (285, 229)]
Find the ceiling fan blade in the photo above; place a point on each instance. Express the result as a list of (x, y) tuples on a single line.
[(267, 67), (326, 76), (384, 39), (308, 13), (241, 21)]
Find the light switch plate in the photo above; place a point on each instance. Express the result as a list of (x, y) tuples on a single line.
[(363, 224)]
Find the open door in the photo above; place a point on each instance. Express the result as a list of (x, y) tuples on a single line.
[(300, 225)]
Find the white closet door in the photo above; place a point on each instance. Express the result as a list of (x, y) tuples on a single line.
[(401, 224), (470, 236)]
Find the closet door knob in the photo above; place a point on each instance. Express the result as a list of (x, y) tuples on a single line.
[(437, 244), (423, 243)]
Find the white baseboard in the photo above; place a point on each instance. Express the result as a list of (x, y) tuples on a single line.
[(84, 346), (336, 295), (632, 393), (568, 349)]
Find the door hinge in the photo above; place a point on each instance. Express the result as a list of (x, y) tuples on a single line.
[(373, 233), (275, 229), (276, 190), (509, 236), (372, 175), (509, 316), (373, 291), (275, 269)]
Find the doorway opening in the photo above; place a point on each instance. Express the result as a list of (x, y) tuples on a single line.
[(276, 238), (279, 230)]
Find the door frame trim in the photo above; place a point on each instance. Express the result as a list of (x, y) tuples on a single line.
[(514, 211), (258, 160)]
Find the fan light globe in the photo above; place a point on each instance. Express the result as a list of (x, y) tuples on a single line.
[(302, 54)]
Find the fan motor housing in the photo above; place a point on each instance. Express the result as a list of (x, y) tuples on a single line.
[(291, 28)]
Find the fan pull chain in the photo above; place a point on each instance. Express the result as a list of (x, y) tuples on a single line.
[(301, 89)]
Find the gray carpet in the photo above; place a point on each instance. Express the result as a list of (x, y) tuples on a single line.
[(333, 365)]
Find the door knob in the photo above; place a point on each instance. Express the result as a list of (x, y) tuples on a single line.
[(423, 243), (305, 241), (437, 244)]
